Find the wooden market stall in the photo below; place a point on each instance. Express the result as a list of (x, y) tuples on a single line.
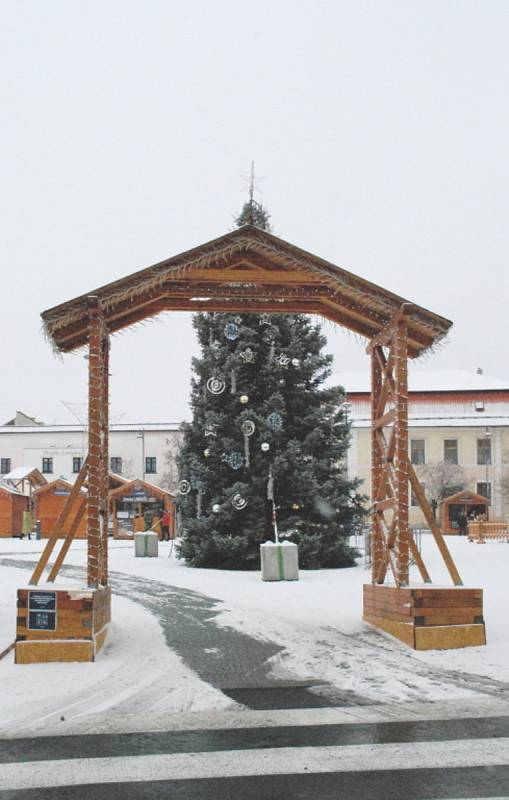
[(466, 505), (26, 480), (49, 501), (12, 505), (129, 503)]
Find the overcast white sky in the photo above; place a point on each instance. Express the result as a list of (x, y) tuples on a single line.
[(381, 129)]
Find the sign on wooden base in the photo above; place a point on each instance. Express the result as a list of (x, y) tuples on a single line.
[(61, 624), (427, 618)]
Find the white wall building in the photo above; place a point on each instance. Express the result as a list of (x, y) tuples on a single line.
[(453, 415), (145, 450)]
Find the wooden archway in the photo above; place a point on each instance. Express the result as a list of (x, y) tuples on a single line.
[(250, 270)]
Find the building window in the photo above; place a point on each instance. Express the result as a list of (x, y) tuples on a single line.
[(5, 466), (47, 466), (484, 451), (417, 451), (451, 451), (151, 465), (413, 497), (484, 489), (77, 463), (116, 464)]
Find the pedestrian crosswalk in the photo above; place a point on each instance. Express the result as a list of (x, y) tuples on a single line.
[(325, 753)]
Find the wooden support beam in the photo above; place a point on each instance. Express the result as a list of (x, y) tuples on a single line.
[(67, 541), (383, 505), (399, 346), (377, 543), (104, 505), (435, 530), (387, 419), (60, 523), (97, 414)]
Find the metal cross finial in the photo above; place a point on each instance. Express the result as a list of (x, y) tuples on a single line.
[(251, 183)]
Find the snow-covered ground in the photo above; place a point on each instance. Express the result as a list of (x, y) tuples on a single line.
[(317, 620)]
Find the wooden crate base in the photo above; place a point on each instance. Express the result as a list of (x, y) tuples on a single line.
[(427, 618), (82, 621)]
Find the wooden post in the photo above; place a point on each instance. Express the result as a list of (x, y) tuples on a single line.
[(104, 509), (377, 541), (401, 451), (97, 500)]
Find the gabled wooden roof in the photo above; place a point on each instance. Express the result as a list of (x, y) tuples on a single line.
[(466, 496), (247, 270), (30, 474), (130, 486), (58, 483)]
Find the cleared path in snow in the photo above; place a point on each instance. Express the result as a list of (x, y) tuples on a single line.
[(339, 669)]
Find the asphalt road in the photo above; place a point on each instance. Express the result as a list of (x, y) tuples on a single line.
[(424, 759)]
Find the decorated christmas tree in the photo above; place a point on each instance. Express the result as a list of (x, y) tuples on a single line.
[(267, 442)]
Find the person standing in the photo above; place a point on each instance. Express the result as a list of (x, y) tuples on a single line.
[(462, 523), (165, 524)]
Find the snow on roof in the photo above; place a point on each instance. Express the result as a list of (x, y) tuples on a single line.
[(443, 422), (6, 487), (451, 380), (19, 474), (135, 426)]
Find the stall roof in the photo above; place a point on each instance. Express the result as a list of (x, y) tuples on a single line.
[(6, 487), (128, 487), (246, 270), (466, 496), (31, 474), (58, 482), (116, 480)]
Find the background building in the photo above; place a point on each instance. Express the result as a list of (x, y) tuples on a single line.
[(145, 451), (456, 417)]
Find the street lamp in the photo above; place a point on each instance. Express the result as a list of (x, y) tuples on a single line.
[(141, 435), (487, 433)]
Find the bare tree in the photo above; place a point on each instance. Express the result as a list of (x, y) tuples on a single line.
[(441, 480), (170, 476)]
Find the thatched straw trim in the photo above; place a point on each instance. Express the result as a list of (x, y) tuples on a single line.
[(376, 303)]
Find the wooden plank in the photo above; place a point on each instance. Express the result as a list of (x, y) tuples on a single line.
[(463, 593), (435, 530), (390, 614), (450, 602), (386, 420), (69, 632), (402, 594), (449, 637), (383, 505), (68, 506), (403, 631), (45, 652), (233, 275), (68, 541), (458, 618)]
